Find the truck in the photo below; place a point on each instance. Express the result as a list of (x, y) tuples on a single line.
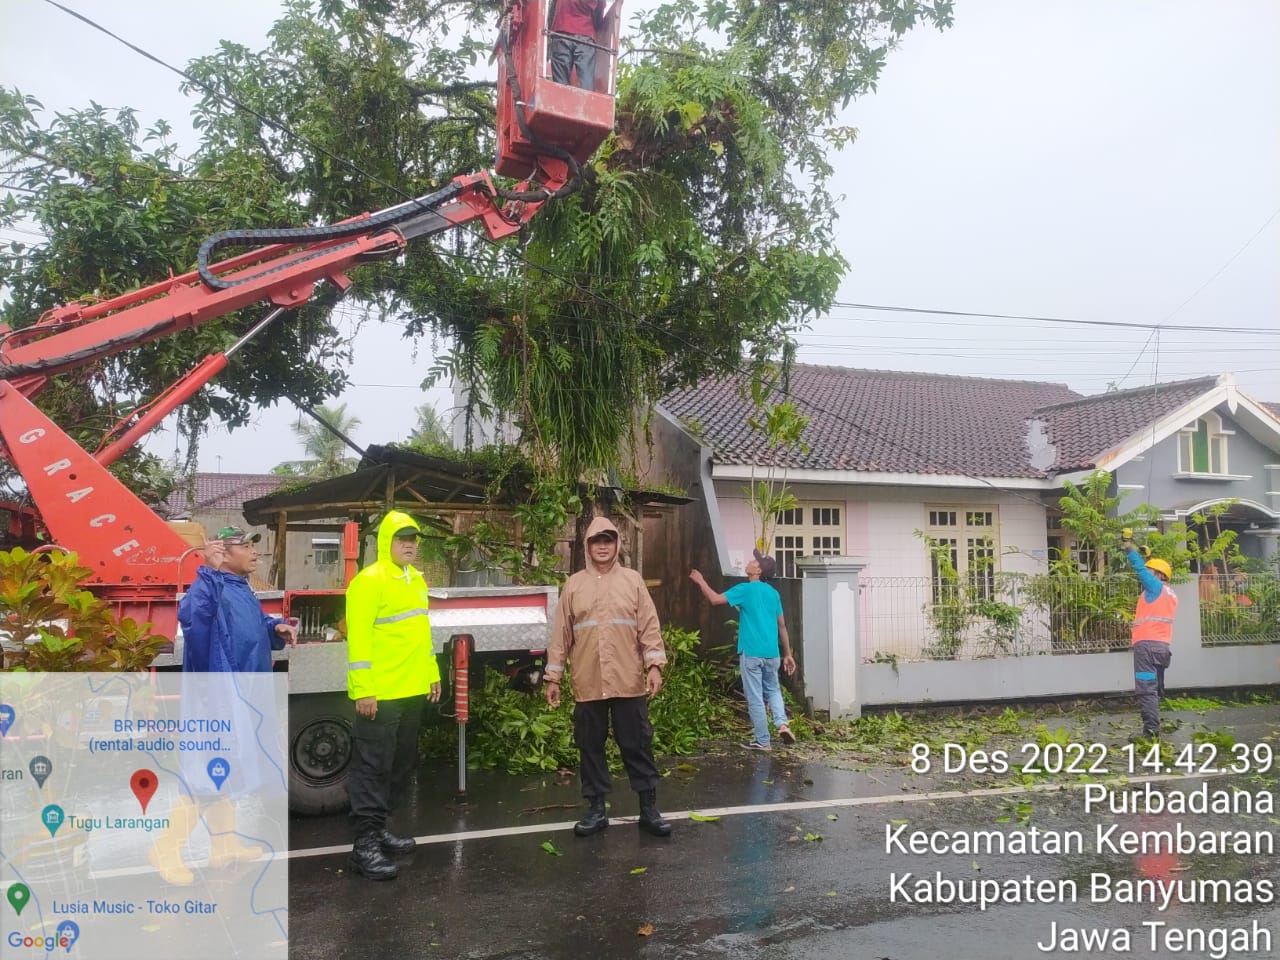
[(141, 564)]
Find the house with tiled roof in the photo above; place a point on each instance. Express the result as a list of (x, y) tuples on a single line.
[(216, 500), (974, 462)]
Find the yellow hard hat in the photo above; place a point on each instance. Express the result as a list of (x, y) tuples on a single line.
[(1160, 566)]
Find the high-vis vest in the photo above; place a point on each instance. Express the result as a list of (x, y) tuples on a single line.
[(388, 629), (1154, 620)]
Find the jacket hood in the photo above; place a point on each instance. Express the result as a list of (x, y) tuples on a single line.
[(392, 523), (600, 525)]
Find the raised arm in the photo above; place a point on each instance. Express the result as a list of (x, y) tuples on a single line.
[(713, 598), (1151, 585)]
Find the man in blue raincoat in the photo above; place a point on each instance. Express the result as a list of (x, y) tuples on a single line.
[(223, 626), (224, 632)]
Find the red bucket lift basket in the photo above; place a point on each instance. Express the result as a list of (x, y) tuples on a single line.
[(574, 119)]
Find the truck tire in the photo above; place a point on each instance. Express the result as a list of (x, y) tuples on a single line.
[(319, 752)]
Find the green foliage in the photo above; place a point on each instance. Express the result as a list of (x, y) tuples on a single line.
[(1221, 739), (521, 542), (781, 426), (1092, 608), (1191, 703), (1243, 609), (517, 732), (120, 209), (430, 434), (1095, 519), (692, 706), (1086, 613), (704, 231), (961, 605), (950, 612), (50, 623)]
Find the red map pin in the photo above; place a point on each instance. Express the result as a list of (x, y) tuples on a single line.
[(143, 783)]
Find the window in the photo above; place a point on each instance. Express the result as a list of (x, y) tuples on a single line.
[(325, 553), (809, 530), (1202, 447), (1063, 545), (969, 540)]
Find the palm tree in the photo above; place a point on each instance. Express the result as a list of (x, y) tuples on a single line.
[(326, 452), (430, 432)]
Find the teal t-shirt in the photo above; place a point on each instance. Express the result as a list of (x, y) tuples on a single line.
[(759, 609)]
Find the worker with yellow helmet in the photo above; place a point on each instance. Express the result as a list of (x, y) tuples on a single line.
[(1152, 633)]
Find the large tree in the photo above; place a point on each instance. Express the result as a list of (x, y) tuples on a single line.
[(700, 240)]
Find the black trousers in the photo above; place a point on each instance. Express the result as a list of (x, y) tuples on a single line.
[(631, 731), (384, 756), (1150, 660)]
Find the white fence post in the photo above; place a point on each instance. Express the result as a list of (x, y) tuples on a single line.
[(832, 645)]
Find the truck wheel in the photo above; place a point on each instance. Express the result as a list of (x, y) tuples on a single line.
[(319, 753)]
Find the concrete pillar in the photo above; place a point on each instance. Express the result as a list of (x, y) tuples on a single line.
[(832, 646)]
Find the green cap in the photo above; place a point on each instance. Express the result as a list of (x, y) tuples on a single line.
[(237, 535)]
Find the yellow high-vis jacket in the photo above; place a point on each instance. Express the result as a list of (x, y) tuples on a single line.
[(388, 632)]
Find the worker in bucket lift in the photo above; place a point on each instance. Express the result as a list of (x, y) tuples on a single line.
[(391, 673), (1152, 633), (573, 37), (606, 629)]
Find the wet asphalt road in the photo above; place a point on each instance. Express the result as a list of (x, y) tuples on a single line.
[(747, 885)]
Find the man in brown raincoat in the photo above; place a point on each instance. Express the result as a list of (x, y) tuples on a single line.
[(606, 624)]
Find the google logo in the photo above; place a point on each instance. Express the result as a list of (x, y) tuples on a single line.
[(48, 944)]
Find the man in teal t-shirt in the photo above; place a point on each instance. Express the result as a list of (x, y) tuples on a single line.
[(762, 635)]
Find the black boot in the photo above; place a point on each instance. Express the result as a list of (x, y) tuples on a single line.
[(595, 819), (650, 819), (394, 845), (367, 859)]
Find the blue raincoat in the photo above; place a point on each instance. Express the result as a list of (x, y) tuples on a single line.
[(223, 626)]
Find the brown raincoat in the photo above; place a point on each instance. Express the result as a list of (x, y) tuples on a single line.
[(607, 625)]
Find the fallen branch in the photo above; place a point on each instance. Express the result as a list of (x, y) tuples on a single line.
[(550, 806)]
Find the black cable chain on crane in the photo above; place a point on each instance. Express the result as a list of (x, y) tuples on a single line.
[(394, 215), (341, 231)]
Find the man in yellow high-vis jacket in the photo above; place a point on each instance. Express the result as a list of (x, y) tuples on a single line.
[(391, 672)]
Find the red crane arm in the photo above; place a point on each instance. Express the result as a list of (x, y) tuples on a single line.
[(78, 334), (138, 560)]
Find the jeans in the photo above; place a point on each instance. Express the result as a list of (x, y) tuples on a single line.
[(760, 684), (567, 53)]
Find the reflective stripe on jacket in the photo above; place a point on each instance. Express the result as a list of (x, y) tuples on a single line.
[(1153, 620), (606, 629), (388, 631)]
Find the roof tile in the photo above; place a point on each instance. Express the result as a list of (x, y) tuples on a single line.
[(220, 491), (1083, 430), (879, 421)]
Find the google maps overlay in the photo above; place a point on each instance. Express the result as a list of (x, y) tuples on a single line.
[(143, 816)]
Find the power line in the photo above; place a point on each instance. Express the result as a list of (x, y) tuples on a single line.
[(1191, 328), (233, 101), (739, 369), (1195, 293)]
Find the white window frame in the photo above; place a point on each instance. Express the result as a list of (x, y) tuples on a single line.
[(971, 530), (815, 528), (319, 544), (1217, 440)]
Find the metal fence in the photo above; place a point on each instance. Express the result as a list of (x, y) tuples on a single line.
[(1006, 615), (1239, 609)]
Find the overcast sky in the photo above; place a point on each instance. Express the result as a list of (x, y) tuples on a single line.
[(1110, 160)]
